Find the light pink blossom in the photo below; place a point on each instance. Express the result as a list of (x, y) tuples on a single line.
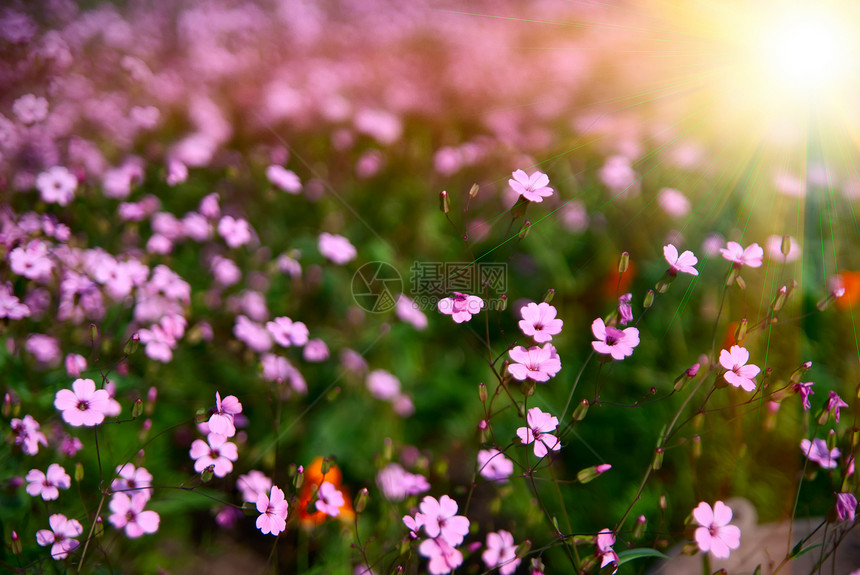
[(738, 373), (680, 263), (133, 480), (127, 512), (285, 179), (537, 363), (27, 434), (540, 426), (751, 256), (494, 466), (532, 187), (714, 533), (217, 451), (397, 483), (834, 403), (443, 558), (336, 248), (329, 499), (817, 452), (461, 307), (603, 542), (287, 332), (613, 341), (253, 484), (57, 185), (48, 485), (440, 520), (61, 536), (501, 552), (83, 404), (539, 321), (273, 512), (221, 422)]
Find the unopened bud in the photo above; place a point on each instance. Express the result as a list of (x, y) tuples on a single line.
[(798, 373), (591, 473), (741, 283), (387, 449), (581, 410), (16, 544), (473, 191), (202, 416), (649, 299), (137, 408), (299, 477), (79, 472), (326, 466), (503, 302), (741, 332), (527, 386), (444, 202), (206, 474), (785, 246), (697, 447), (482, 392), (639, 527), (657, 461), (524, 231), (360, 501), (519, 208), (523, 549), (7, 406), (151, 396), (663, 503), (779, 299), (732, 276), (831, 440), (663, 284), (550, 293), (623, 262), (131, 345), (94, 333), (100, 528)]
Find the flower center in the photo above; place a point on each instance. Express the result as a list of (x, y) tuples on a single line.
[(83, 405)]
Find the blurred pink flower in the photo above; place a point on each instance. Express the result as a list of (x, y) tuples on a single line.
[(683, 263), (774, 249), (537, 363), (336, 248), (127, 512), (235, 231), (461, 307), (443, 558), (846, 506), (30, 109), (751, 256), (604, 541), (817, 452), (329, 499), (83, 404), (714, 533), (397, 483), (217, 451), (285, 179), (315, 351), (613, 341), (383, 385), (738, 373), (10, 306), (133, 480), (673, 202), (27, 434), (625, 310), (805, 390), (834, 403), (501, 552), (440, 520), (221, 422), (407, 310), (494, 466), (539, 321), (57, 185), (287, 333), (253, 484), (254, 335), (532, 187), (48, 485), (540, 426), (273, 512), (61, 535)]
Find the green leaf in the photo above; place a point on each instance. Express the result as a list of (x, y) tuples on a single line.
[(797, 551), (633, 554)]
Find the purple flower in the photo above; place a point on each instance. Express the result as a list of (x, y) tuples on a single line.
[(27, 434), (539, 321), (397, 483), (540, 426), (336, 248), (817, 452), (217, 451), (61, 535), (283, 178), (48, 484), (254, 484), (846, 506), (532, 187), (443, 557), (834, 403), (134, 480), (613, 341), (537, 363), (461, 307), (683, 263), (329, 499), (221, 422), (501, 552), (738, 373), (714, 533), (625, 310), (494, 466), (287, 333), (83, 404), (273, 512), (127, 512)]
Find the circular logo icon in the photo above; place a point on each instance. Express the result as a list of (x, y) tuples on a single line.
[(376, 287)]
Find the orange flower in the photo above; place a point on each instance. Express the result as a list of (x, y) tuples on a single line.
[(851, 283), (313, 479), (611, 286)]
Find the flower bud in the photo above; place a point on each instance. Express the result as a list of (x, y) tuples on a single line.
[(94, 333), (697, 447), (473, 191), (444, 202), (151, 396), (137, 408), (785, 246), (326, 466), (299, 477), (741, 332), (623, 262), (524, 231), (663, 503), (732, 276), (523, 549), (131, 345), (649, 299), (549, 295), (779, 299), (206, 474), (591, 473), (387, 449), (202, 416), (100, 528), (657, 461), (662, 285), (482, 392), (581, 410), (7, 407), (16, 544), (831, 440), (639, 527), (798, 373), (360, 501), (741, 283), (79, 472), (519, 208)]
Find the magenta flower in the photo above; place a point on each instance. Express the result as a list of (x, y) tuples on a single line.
[(61, 535), (604, 542), (534, 188), (218, 452), (397, 483), (738, 373), (817, 452), (83, 404), (461, 307), (625, 310), (494, 466), (846, 506), (329, 499), (714, 533), (683, 263), (383, 385), (336, 248), (287, 333), (440, 520), (127, 512), (613, 341), (750, 257), (221, 422), (501, 552), (443, 557), (539, 321), (254, 484), (805, 390), (273, 512), (48, 485), (27, 434), (537, 363), (540, 426), (57, 185), (834, 403), (283, 178), (133, 480), (235, 231)]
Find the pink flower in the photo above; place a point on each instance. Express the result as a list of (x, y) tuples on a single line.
[(315, 351), (817, 452), (254, 484), (127, 512), (273, 512), (383, 385), (604, 542), (221, 422), (329, 499), (397, 483), (61, 535), (735, 253), (336, 248), (443, 557), (625, 310), (834, 403), (407, 310), (218, 452), (501, 552), (287, 333), (283, 178), (805, 390), (537, 363), (494, 466), (714, 533), (27, 434), (10, 306), (254, 335), (846, 506), (440, 520), (540, 426), (75, 364), (461, 307), (32, 261), (683, 263), (533, 188), (739, 374), (673, 202), (48, 485), (57, 185), (613, 341), (84, 404), (539, 321), (235, 231), (133, 480)]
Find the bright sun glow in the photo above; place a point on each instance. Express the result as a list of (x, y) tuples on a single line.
[(806, 49)]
